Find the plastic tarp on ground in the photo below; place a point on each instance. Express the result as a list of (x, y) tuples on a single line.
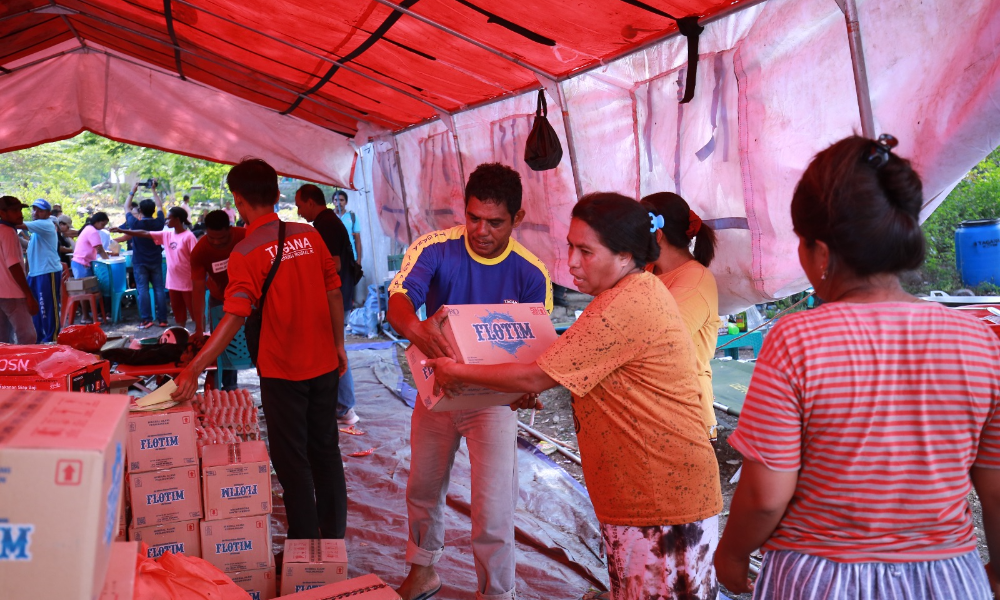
[(557, 535)]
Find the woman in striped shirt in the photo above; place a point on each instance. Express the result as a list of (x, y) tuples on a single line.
[(869, 419)]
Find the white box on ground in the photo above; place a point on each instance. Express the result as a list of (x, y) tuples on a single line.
[(366, 587), (62, 456), (485, 334), (119, 583), (311, 564), (259, 583)]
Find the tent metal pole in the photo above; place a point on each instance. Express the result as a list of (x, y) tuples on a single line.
[(466, 38), (402, 192), (850, 10), (569, 142)]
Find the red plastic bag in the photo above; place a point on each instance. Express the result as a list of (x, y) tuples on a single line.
[(88, 338), (180, 577)]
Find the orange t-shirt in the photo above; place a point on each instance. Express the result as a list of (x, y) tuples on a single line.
[(629, 363), (693, 287)]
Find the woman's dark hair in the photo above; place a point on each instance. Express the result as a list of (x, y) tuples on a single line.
[(496, 183), (621, 223), (680, 224), (97, 217), (179, 213), (254, 180), (864, 203)]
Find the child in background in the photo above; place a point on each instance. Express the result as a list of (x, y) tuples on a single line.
[(178, 241)]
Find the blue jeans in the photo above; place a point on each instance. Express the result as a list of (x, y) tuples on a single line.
[(345, 393), (145, 275), (80, 271)]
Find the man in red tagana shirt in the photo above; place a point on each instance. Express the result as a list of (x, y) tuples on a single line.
[(302, 352)]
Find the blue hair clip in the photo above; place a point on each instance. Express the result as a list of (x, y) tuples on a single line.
[(656, 222)]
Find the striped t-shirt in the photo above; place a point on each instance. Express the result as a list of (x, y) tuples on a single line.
[(882, 409)]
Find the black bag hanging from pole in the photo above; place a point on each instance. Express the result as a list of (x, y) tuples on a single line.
[(542, 151)]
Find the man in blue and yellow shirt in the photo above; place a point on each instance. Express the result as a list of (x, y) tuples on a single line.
[(475, 263)]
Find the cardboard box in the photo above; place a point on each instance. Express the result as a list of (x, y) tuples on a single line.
[(61, 459), (52, 368), (240, 544), (162, 439), (485, 334), (167, 496), (237, 480), (311, 564), (259, 583), (180, 538), (83, 285), (119, 583), (366, 587), (122, 532)]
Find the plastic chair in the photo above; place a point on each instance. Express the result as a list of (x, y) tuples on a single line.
[(112, 278), (236, 356), (69, 303)]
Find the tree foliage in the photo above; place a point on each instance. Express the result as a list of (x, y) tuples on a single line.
[(977, 196)]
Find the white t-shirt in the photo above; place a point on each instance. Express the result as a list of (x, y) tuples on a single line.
[(10, 255), (178, 247)]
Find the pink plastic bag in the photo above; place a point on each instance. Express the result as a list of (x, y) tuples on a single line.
[(180, 577)]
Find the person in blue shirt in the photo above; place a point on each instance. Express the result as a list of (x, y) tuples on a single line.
[(350, 221), (475, 263), (44, 269), (147, 257)]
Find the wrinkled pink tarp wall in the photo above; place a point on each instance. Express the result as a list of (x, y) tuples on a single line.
[(140, 105), (775, 86)]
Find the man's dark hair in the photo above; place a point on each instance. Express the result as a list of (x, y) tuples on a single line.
[(495, 183), (147, 207), (217, 220), (254, 180), (342, 194), (313, 194)]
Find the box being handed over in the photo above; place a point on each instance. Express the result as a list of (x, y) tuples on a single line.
[(485, 334), (237, 480), (312, 563), (240, 544), (61, 462), (162, 439)]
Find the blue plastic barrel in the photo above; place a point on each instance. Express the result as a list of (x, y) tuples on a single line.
[(977, 251)]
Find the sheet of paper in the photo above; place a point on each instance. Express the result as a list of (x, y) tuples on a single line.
[(160, 394)]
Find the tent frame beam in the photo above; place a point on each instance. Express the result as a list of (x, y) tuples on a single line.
[(465, 38), (850, 10), (327, 59)]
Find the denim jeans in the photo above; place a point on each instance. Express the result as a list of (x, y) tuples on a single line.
[(491, 436), (345, 393), (145, 275), (80, 271)]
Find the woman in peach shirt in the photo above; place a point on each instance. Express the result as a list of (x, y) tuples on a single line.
[(692, 285)]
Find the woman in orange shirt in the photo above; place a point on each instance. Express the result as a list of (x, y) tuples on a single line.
[(629, 363), (690, 282)]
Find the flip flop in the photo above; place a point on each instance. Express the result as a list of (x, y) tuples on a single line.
[(428, 594)]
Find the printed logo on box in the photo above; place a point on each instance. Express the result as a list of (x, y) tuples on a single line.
[(157, 551), (254, 595), (164, 497), (239, 491), (163, 441), (114, 494), (234, 547), (302, 588), (15, 541), (502, 331)]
